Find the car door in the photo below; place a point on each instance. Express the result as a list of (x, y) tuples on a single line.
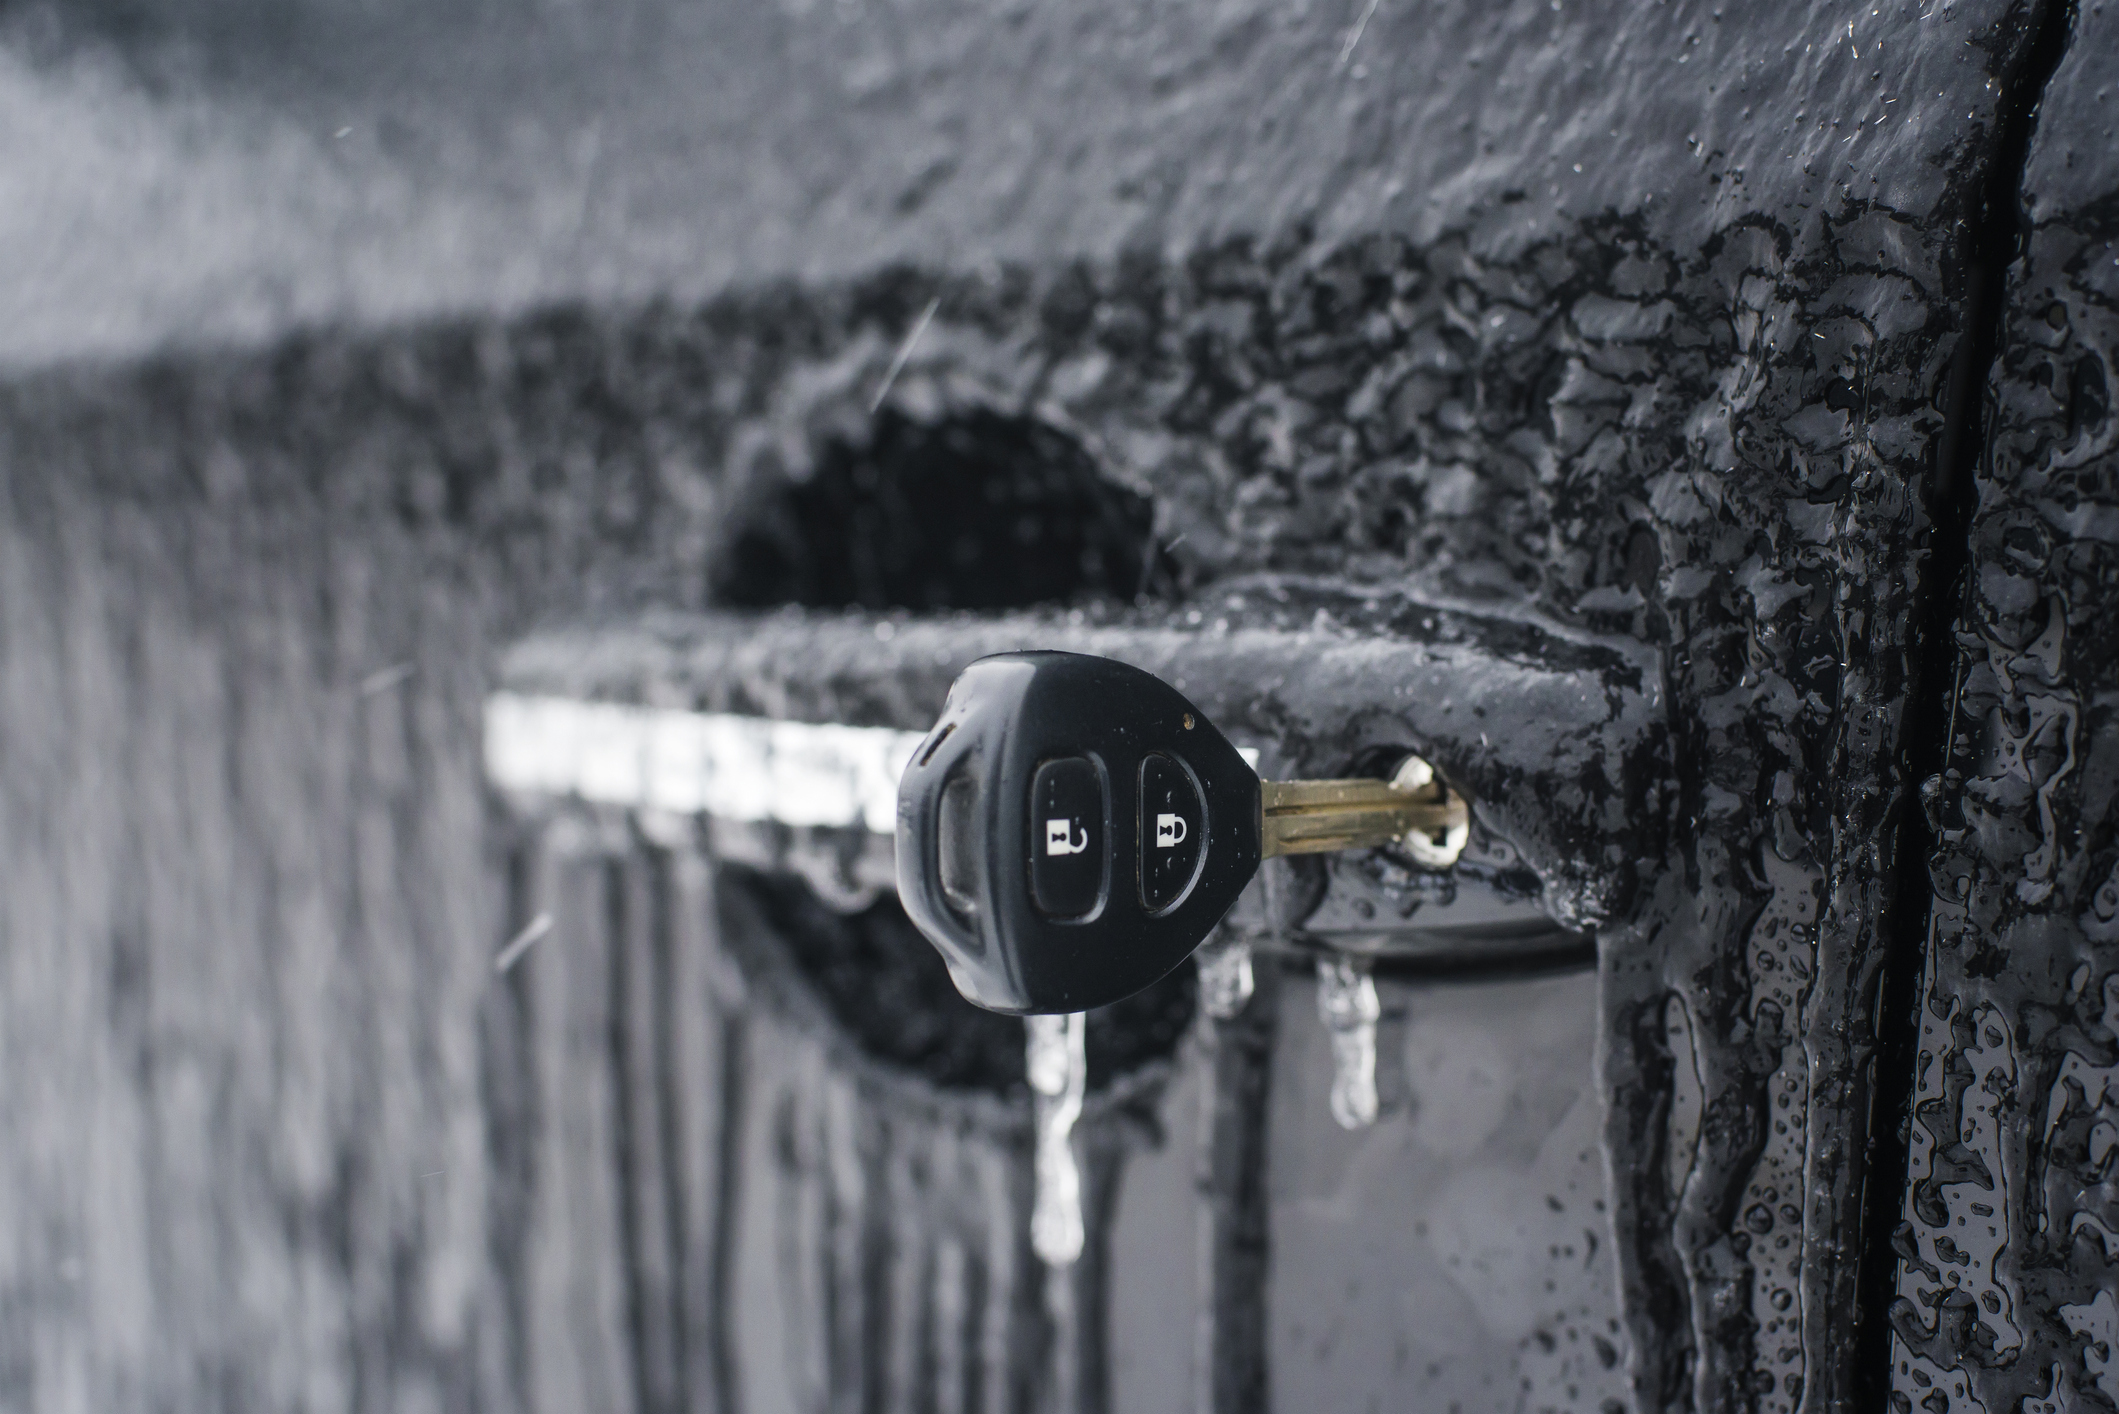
[(492, 498)]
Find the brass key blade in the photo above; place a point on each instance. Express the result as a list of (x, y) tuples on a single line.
[(1317, 817)]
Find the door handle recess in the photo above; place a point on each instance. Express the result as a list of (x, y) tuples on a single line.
[(787, 731)]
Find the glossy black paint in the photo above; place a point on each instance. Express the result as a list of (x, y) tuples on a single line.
[(2003, 1275)]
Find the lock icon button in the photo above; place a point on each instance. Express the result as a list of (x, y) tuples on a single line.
[(1173, 817)]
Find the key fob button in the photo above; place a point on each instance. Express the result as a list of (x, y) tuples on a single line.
[(1067, 855), (1173, 831)]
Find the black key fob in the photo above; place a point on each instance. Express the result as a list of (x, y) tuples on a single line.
[(1070, 831)]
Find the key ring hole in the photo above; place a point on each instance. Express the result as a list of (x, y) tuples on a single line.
[(935, 744)]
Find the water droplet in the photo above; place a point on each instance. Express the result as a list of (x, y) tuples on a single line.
[(1349, 1008), (1225, 978), (1058, 1066)]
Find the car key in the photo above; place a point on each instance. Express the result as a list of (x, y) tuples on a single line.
[(1073, 828)]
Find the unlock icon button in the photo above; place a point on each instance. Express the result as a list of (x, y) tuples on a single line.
[(1067, 854)]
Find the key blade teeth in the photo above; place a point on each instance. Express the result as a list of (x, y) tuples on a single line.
[(1319, 817)]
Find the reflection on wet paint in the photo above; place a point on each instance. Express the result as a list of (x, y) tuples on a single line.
[(1957, 1183)]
